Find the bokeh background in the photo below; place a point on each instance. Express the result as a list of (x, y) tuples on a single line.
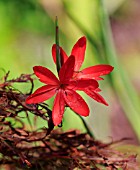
[(112, 28)]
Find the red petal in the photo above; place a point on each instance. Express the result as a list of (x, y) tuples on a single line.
[(98, 90), (76, 103), (67, 70), (58, 108), (63, 55), (41, 94), (81, 84), (93, 94), (79, 52), (45, 75), (95, 71)]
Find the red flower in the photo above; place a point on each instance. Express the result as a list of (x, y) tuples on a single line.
[(65, 89), (70, 80), (93, 72)]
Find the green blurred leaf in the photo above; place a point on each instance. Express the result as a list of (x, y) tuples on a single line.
[(99, 34)]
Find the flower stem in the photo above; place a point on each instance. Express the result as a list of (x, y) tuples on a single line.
[(58, 58), (86, 127)]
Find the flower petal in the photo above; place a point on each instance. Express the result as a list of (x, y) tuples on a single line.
[(67, 70), (95, 71), (63, 55), (81, 84), (41, 94), (76, 103), (58, 108), (98, 90), (79, 52), (45, 75), (94, 95)]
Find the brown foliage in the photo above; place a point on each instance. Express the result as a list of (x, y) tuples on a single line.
[(45, 148)]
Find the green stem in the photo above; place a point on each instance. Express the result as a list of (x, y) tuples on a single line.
[(86, 127), (58, 58)]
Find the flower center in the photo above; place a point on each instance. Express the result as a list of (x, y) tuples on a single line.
[(62, 86)]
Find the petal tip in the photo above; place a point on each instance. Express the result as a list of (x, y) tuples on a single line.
[(106, 104), (82, 41), (56, 120), (36, 68), (87, 114), (111, 68)]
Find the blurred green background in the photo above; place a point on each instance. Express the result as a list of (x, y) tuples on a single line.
[(27, 32)]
